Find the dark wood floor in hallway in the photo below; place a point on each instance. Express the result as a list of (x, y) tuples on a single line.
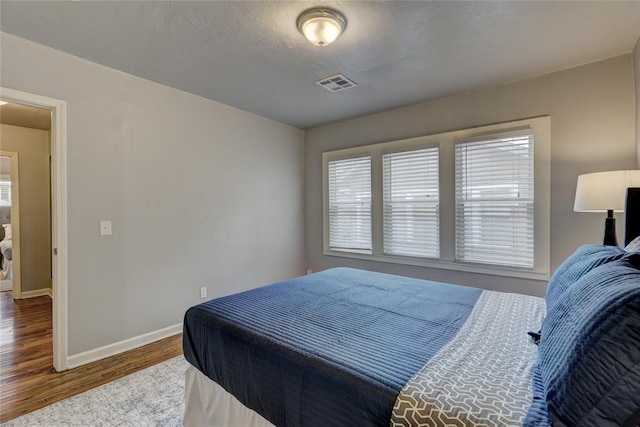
[(27, 378)]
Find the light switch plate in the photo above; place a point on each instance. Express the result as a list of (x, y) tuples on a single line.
[(105, 228)]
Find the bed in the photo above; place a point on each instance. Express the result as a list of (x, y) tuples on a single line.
[(347, 347)]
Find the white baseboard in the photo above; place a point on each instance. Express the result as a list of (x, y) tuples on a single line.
[(120, 347), (36, 293), (6, 285)]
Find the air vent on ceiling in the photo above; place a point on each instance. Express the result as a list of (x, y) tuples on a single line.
[(336, 82)]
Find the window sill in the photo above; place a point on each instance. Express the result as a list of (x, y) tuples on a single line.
[(446, 265)]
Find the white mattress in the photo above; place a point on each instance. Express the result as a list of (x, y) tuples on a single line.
[(5, 248), (208, 404)]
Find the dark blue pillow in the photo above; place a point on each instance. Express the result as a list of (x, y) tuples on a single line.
[(589, 352), (583, 260)]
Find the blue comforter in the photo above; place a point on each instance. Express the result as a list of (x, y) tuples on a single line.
[(328, 349)]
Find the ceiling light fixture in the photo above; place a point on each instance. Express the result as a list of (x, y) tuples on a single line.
[(3, 102), (321, 25)]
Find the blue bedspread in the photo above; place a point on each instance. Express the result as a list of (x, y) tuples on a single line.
[(328, 349)]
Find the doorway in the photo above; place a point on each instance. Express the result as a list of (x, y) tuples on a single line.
[(58, 214), (25, 214)]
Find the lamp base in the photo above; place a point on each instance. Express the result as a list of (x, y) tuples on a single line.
[(610, 238)]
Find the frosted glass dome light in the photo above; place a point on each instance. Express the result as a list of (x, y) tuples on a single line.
[(321, 26)]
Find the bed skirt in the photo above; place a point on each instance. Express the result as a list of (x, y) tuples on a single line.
[(208, 404)]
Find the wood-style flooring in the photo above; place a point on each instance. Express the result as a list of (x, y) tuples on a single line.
[(27, 378)]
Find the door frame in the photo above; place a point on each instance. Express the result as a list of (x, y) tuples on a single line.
[(59, 260), (16, 275)]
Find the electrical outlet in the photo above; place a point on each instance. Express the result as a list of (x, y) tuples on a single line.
[(309, 271), (203, 292), (105, 228)]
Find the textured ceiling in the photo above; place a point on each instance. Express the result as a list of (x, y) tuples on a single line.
[(250, 55)]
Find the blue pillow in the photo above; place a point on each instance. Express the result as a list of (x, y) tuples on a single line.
[(589, 352), (583, 260), (537, 416)]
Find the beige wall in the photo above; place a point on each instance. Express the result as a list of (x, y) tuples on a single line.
[(636, 73), (592, 129), (199, 193), (32, 146)]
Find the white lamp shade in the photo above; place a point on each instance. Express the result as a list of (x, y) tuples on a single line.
[(603, 191)]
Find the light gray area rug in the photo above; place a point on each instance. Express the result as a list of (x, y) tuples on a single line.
[(151, 397)]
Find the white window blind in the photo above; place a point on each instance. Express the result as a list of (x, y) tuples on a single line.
[(494, 201), (5, 192), (410, 194), (350, 204)]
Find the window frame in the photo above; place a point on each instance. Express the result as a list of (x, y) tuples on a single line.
[(539, 126)]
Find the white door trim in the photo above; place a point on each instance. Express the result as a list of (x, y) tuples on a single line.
[(58, 214)]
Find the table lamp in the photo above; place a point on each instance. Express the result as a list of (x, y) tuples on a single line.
[(605, 192)]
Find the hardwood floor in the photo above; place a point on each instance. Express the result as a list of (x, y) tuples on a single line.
[(27, 378)]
